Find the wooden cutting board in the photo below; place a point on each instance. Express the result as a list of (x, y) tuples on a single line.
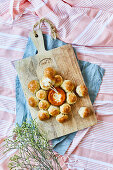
[(63, 59)]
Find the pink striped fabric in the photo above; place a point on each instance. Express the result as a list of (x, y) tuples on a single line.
[(87, 25)]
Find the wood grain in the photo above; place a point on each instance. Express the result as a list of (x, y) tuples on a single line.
[(63, 59)]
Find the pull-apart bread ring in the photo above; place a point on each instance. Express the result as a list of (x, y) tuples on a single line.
[(55, 96)]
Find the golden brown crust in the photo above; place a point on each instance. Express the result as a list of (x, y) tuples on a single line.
[(61, 118), (41, 94), (32, 101), (44, 104), (84, 112), (49, 72), (71, 98), (58, 80), (82, 90), (53, 110), (43, 115), (33, 86), (65, 108), (67, 85)]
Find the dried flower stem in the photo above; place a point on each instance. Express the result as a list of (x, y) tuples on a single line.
[(34, 151)]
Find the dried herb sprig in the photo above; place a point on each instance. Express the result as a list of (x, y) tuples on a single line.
[(34, 150)]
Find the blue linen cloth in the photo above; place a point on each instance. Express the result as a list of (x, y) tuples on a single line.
[(92, 74)]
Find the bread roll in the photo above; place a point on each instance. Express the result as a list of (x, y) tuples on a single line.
[(65, 108), (61, 118), (33, 86), (49, 72), (46, 83), (67, 85), (43, 115), (71, 98), (33, 101), (84, 112), (43, 104), (41, 94), (81, 90), (58, 80), (53, 110)]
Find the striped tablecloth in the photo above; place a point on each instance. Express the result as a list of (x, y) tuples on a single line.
[(88, 26)]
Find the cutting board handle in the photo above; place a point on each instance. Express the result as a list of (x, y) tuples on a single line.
[(37, 36), (38, 41)]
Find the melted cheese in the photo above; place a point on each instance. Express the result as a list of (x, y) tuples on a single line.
[(46, 82), (57, 97)]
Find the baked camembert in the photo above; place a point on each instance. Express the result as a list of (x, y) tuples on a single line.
[(57, 98)]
